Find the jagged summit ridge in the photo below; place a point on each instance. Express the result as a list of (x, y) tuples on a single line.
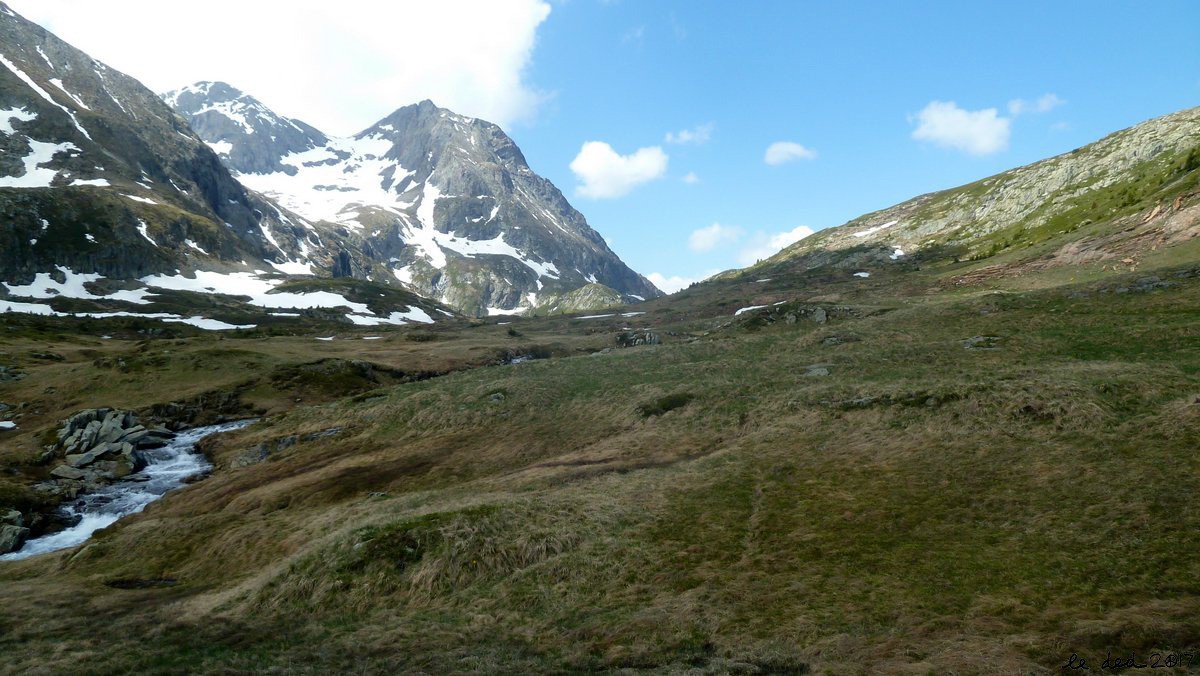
[(239, 128)]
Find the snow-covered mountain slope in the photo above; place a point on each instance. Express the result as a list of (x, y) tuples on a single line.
[(447, 203), (101, 183)]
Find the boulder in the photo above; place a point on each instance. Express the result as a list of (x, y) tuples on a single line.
[(154, 438), (90, 434), (817, 370), (12, 537), (110, 429), (82, 459), (66, 472), (133, 433), (982, 343), (112, 470), (635, 338), (12, 517)]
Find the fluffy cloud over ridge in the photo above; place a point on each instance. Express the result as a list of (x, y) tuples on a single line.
[(1043, 104), (764, 246), (603, 173), (978, 132), (781, 152), (697, 135), (709, 238)]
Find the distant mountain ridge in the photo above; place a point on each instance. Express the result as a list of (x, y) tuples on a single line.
[(445, 202)]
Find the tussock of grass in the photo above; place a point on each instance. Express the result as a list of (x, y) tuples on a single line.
[(665, 404)]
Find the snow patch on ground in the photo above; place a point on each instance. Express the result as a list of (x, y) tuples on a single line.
[(43, 93), (199, 322), (415, 314), (293, 267), (877, 228), (142, 230), (257, 289), (209, 324), (37, 176), (7, 115), (749, 309), (195, 246), (59, 83), (862, 274)]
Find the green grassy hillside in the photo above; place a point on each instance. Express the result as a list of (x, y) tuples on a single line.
[(973, 482)]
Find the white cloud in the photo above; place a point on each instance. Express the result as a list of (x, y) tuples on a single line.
[(709, 238), (978, 132), (698, 135), (340, 66), (605, 174), (763, 245), (690, 178), (1043, 104), (670, 284), (780, 152)]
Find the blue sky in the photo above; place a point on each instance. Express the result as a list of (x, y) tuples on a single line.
[(847, 82), (844, 79)]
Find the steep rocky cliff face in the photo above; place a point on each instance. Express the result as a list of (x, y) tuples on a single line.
[(446, 203)]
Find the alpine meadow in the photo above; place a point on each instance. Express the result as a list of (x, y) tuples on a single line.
[(368, 393)]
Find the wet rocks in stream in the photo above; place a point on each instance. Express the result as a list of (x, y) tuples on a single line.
[(100, 445), (12, 531)]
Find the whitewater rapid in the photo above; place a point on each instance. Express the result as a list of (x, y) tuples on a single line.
[(166, 469)]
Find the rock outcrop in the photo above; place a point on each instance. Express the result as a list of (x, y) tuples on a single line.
[(635, 338), (101, 445)]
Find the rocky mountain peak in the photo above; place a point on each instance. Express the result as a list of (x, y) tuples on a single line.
[(249, 136), (446, 202)]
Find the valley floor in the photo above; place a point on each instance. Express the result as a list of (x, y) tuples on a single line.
[(983, 481)]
